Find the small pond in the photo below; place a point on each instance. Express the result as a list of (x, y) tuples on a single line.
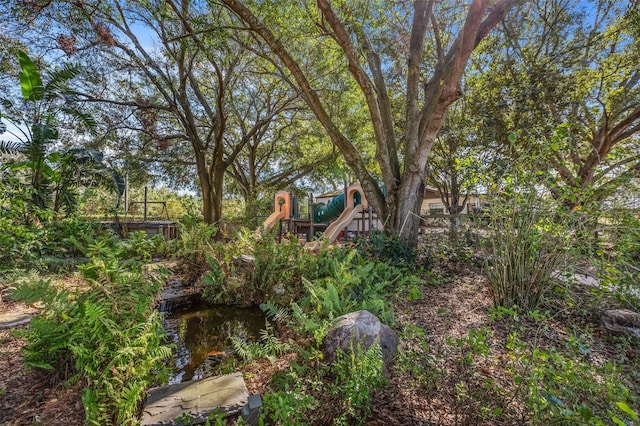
[(202, 337)]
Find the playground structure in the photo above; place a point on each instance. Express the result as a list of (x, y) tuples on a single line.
[(281, 209), (347, 212)]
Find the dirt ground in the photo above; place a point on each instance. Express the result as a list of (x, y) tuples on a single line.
[(445, 312), (31, 397)]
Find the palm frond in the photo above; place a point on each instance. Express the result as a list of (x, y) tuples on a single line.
[(90, 166), (11, 147), (84, 155), (43, 134), (66, 200), (83, 117), (58, 78)]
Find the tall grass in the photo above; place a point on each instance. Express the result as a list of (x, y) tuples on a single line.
[(528, 247)]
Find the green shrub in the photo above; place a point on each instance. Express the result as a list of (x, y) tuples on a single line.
[(287, 408), (565, 387), (382, 246), (620, 265), (45, 244), (351, 285), (276, 272), (141, 247), (358, 374), (195, 242), (527, 249), (344, 390), (107, 335), (338, 282), (278, 264)]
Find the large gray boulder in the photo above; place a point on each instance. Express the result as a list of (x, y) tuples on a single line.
[(360, 327)]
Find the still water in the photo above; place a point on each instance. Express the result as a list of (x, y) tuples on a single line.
[(202, 337)]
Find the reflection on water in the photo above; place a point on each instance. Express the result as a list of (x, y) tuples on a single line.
[(198, 331)]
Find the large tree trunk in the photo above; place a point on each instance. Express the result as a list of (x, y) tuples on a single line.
[(211, 201), (211, 187), (406, 219)]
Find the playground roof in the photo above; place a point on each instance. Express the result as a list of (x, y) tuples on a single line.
[(330, 194)]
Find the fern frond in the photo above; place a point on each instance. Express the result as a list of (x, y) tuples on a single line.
[(83, 117), (241, 348), (331, 302), (276, 313), (34, 291), (306, 323), (128, 400)]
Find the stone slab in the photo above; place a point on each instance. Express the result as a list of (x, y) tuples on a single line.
[(12, 319), (251, 411), (196, 398)]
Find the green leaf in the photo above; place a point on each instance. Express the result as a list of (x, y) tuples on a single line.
[(41, 365), (10, 147), (585, 413), (44, 133), (630, 411), (554, 400), (30, 80), (84, 118), (58, 79), (617, 421)]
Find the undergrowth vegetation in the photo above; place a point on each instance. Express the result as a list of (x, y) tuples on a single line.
[(527, 250), (536, 356), (515, 370), (104, 333), (302, 294), (538, 381)]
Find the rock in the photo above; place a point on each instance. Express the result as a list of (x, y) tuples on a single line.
[(279, 290), (175, 295), (588, 279), (195, 399), (245, 264), (622, 322), (364, 328), (584, 279), (251, 411), (15, 319)]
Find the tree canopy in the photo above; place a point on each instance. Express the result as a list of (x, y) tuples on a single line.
[(567, 88), (256, 93), (420, 51)]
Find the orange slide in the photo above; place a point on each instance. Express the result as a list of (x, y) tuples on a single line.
[(341, 222), (282, 210), (345, 218)]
